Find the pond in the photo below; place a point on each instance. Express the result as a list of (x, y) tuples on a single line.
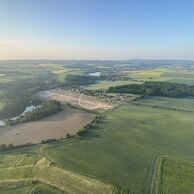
[(97, 74)]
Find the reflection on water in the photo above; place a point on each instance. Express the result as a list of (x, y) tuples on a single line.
[(95, 74)]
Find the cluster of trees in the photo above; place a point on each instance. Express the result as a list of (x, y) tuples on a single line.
[(96, 120), (54, 139), (156, 89), (47, 109), (10, 147), (21, 93), (79, 80), (48, 140)]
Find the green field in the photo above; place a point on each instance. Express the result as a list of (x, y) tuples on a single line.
[(174, 176), (186, 104), (1, 105), (26, 187), (149, 75), (121, 150), (180, 76), (142, 148), (174, 75)]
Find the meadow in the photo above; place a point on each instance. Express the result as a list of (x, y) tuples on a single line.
[(174, 75), (184, 104), (143, 148), (121, 150), (179, 173)]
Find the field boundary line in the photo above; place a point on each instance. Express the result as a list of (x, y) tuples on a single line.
[(155, 166), (43, 164), (163, 107)]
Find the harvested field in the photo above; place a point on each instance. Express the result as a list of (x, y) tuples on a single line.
[(64, 96), (56, 126)]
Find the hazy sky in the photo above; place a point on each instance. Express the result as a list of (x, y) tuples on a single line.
[(96, 29)]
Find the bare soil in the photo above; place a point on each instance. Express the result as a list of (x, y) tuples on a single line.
[(56, 126), (84, 101)]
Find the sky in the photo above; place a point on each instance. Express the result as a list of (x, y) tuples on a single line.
[(96, 29)]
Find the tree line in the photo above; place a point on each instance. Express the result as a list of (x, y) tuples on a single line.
[(165, 89), (46, 109)]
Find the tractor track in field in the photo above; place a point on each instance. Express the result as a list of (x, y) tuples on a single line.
[(156, 166)]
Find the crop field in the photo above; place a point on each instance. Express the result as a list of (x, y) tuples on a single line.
[(140, 148), (180, 76), (84, 101), (173, 176), (50, 177), (1, 105), (164, 74), (107, 84), (146, 75), (26, 187), (56, 126), (121, 150), (185, 104)]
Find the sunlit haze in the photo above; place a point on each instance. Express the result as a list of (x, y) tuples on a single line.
[(96, 29)]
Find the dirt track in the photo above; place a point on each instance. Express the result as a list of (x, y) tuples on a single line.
[(87, 102)]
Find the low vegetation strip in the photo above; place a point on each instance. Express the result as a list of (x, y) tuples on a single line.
[(45, 172)]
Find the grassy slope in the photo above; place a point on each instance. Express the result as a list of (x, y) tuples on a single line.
[(121, 149)]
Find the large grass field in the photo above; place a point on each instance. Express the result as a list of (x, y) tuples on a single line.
[(175, 75), (186, 104), (173, 176), (149, 75), (1, 105), (20, 178), (122, 149)]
